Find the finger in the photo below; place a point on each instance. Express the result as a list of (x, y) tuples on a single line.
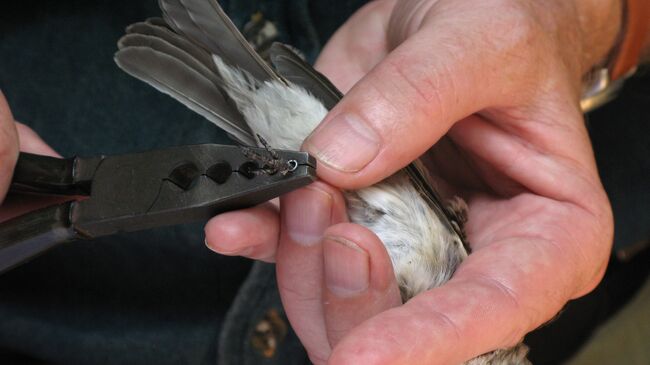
[(559, 154), (412, 97), (8, 146), (31, 142), (252, 233), (359, 279), (357, 46), (306, 214), (499, 293)]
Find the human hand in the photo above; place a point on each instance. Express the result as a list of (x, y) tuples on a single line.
[(502, 80), (8, 146), (16, 136)]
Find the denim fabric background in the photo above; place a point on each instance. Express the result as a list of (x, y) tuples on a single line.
[(159, 297)]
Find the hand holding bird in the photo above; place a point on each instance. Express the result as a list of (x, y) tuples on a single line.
[(516, 149)]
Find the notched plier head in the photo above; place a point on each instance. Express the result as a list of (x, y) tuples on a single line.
[(144, 190)]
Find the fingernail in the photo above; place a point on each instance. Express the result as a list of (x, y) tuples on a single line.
[(346, 143), (308, 213), (347, 267), (242, 251)]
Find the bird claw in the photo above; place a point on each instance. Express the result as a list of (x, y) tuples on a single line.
[(271, 164)]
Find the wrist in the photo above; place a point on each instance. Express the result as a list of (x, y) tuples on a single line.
[(645, 51), (606, 77), (601, 22)]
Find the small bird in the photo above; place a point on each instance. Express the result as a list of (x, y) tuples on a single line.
[(196, 55)]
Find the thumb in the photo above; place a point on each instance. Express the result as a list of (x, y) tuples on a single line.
[(406, 102), (8, 146), (359, 279)]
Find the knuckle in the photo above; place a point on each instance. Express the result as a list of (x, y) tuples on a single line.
[(511, 304), (295, 292), (520, 42), (443, 321), (418, 90), (516, 34)]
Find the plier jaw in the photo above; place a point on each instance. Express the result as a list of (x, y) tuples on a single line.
[(144, 190)]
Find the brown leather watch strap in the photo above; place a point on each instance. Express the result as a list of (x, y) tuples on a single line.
[(637, 26)]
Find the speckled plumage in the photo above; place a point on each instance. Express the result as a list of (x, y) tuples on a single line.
[(247, 99)]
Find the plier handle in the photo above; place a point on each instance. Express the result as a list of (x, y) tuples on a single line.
[(143, 190)]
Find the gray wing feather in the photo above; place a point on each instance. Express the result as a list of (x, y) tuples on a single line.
[(160, 45), (293, 68), (175, 78), (157, 21), (174, 39), (204, 22), (419, 176)]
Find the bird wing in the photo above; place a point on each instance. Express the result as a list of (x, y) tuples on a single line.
[(294, 69), (181, 65), (157, 21), (421, 179), (175, 72), (204, 22), (166, 34)]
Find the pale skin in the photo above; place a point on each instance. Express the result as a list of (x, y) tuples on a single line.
[(502, 80), (15, 136)]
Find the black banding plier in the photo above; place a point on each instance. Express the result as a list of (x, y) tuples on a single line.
[(143, 190)]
